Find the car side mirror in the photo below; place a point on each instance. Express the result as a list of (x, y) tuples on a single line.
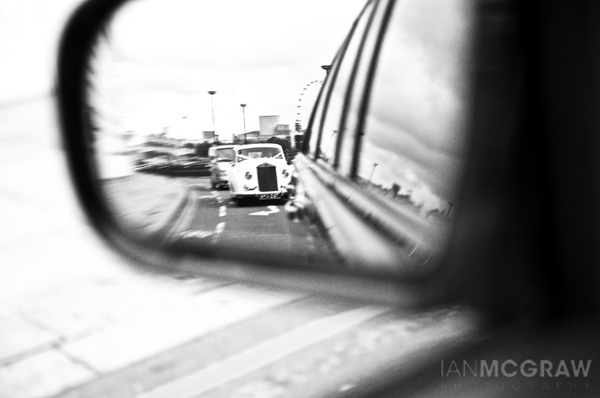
[(376, 221)]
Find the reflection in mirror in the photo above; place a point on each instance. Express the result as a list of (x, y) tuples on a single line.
[(413, 145), (199, 111)]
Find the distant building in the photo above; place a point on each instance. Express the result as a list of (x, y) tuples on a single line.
[(208, 136), (251, 137), (268, 125), (282, 129)]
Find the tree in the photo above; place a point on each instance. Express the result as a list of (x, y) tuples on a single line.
[(285, 144), (202, 149)]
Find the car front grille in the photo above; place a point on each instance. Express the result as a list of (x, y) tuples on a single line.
[(267, 178)]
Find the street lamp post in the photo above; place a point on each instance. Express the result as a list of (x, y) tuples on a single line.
[(212, 107), (244, 118), (373, 171)]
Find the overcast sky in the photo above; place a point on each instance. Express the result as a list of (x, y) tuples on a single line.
[(163, 56), (415, 130)]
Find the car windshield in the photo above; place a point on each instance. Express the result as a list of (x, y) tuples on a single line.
[(260, 152), (224, 155)]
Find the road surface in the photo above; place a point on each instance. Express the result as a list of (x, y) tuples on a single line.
[(212, 217)]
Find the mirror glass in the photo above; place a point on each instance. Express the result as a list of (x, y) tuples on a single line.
[(200, 110)]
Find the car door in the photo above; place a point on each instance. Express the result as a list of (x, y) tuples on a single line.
[(382, 165)]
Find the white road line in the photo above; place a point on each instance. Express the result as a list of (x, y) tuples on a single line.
[(198, 234), (222, 211), (218, 231), (261, 355)]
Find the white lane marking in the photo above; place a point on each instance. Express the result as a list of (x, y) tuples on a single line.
[(272, 210), (222, 211), (218, 231), (181, 321), (263, 354), (195, 234)]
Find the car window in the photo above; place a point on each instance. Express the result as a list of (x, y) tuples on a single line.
[(354, 98), (413, 143), (330, 126), (258, 153), (225, 155)]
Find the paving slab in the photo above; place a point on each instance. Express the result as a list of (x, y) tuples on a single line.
[(263, 354), (18, 221), (78, 310), (54, 260), (41, 375), (146, 336), (18, 336)]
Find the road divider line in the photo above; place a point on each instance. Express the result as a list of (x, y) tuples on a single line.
[(220, 228), (196, 234), (218, 231), (222, 211), (263, 354)]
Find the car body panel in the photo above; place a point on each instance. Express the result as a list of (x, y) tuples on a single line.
[(220, 164), (379, 179)]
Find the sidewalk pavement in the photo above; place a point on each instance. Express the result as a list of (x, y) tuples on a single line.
[(73, 310)]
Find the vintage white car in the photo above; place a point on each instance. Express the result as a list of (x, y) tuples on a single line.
[(259, 171), (221, 159)]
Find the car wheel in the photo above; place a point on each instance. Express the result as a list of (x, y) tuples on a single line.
[(238, 200)]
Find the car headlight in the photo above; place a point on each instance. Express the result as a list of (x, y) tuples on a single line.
[(248, 175)]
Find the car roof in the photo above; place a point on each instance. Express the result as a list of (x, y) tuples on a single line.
[(224, 147), (269, 145)]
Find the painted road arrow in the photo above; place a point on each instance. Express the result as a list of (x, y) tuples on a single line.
[(272, 210)]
